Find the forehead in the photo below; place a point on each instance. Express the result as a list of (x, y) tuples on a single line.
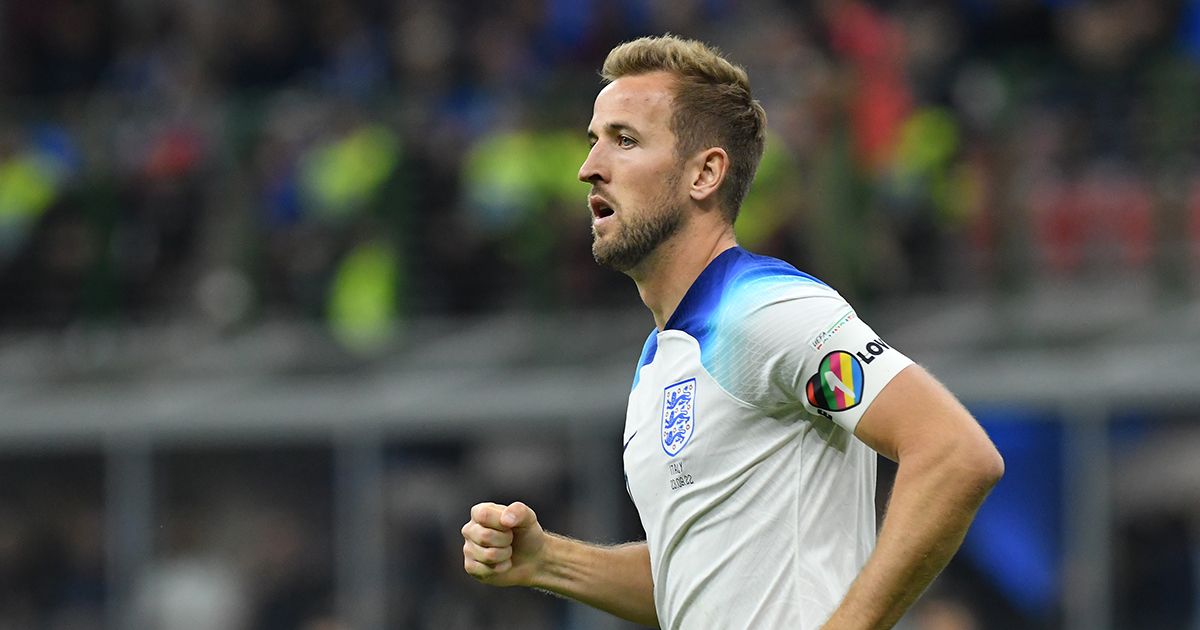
[(642, 98)]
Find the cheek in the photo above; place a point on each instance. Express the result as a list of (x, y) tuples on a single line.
[(658, 179)]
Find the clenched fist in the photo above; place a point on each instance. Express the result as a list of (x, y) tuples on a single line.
[(503, 544)]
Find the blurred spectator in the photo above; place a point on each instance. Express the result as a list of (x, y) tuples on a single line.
[(192, 593), (455, 136)]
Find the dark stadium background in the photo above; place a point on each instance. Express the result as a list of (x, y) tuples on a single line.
[(285, 287)]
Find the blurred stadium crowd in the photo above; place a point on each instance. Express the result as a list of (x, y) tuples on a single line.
[(358, 163), (364, 161)]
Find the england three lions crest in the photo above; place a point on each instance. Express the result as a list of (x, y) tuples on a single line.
[(679, 416)]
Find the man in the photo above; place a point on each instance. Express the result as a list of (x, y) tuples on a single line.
[(757, 401)]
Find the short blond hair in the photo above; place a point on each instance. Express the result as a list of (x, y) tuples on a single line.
[(711, 100)]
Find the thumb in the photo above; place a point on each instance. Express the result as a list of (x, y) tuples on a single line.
[(518, 515)]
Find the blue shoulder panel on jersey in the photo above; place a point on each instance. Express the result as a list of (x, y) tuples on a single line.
[(648, 350), (725, 280), (734, 278)]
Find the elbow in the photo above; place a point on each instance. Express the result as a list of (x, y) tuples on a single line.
[(983, 467), (969, 469), (991, 470), (972, 464)]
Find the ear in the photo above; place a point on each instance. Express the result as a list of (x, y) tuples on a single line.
[(712, 165)]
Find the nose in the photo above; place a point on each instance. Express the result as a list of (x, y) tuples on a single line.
[(590, 171)]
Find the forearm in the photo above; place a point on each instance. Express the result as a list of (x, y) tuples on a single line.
[(615, 579), (932, 505)]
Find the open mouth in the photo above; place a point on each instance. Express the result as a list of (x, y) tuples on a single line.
[(600, 208)]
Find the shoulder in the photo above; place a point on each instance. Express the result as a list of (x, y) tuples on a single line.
[(738, 281), (766, 327), (766, 306), (746, 269), (769, 293)]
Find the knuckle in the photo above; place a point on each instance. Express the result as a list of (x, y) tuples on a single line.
[(523, 508)]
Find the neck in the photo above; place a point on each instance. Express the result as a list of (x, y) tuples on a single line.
[(667, 273)]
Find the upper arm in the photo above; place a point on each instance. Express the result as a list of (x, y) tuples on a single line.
[(805, 347), (916, 414), (811, 348)]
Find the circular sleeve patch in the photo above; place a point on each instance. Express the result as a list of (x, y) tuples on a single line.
[(838, 383)]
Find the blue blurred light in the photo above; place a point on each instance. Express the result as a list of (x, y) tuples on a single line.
[(1017, 535)]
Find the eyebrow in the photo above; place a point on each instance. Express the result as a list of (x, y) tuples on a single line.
[(612, 128)]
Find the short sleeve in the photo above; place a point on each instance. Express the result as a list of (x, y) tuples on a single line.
[(804, 346)]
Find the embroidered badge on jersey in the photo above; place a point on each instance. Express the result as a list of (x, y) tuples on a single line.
[(679, 416), (838, 383)]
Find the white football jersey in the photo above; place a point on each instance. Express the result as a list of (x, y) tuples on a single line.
[(757, 500)]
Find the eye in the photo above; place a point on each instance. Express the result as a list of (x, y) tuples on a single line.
[(625, 142)]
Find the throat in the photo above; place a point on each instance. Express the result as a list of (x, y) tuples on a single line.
[(671, 272)]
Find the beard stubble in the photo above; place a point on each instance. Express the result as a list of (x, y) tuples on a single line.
[(639, 234)]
